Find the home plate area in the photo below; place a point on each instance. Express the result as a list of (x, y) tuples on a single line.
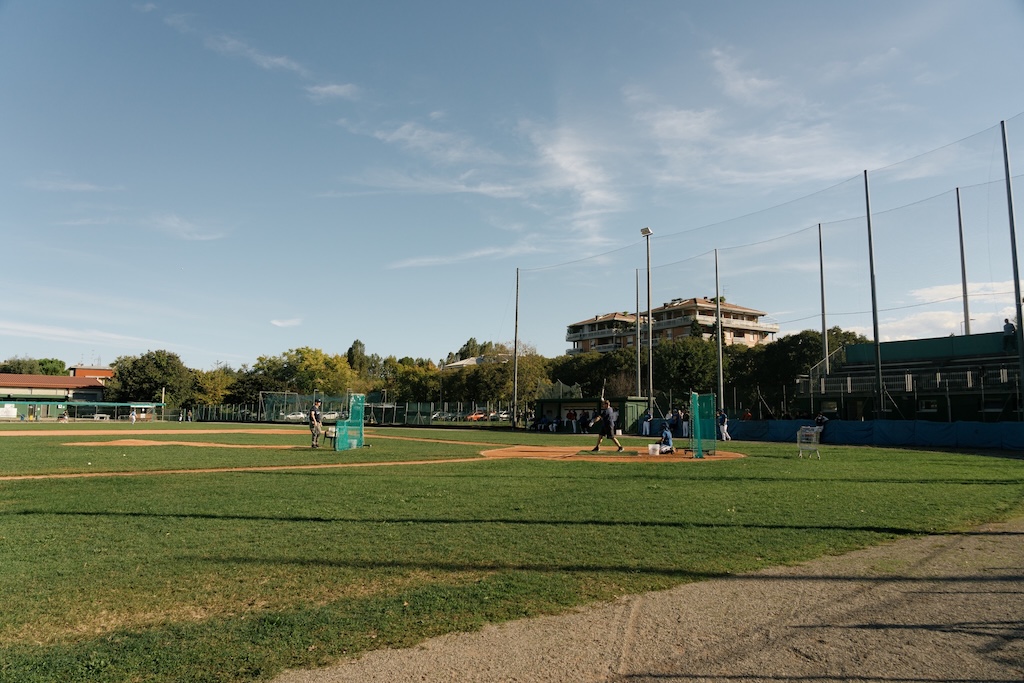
[(604, 455), (610, 454)]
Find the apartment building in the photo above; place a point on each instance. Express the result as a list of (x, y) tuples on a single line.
[(673, 320)]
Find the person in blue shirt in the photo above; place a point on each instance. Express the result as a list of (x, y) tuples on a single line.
[(666, 439), (723, 426)]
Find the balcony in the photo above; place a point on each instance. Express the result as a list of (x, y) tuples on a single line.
[(709, 322), (616, 332)]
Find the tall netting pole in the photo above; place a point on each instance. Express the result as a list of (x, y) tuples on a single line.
[(515, 360), (1013, 254)]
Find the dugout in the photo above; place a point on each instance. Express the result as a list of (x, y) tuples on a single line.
[(13, 410), (630, 409)]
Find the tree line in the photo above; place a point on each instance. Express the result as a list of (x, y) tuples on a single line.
[(760, 374)]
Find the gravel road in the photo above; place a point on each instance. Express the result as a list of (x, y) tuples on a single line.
[(938, 608)]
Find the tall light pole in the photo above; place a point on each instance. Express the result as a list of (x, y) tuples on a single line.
[(639, 390), (647, 232)]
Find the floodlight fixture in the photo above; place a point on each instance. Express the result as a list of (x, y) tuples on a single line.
[(646, 232)]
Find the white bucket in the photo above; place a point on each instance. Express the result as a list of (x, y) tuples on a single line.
[(653, 449), (353, 444)]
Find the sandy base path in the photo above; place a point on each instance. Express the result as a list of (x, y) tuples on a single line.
[(496, 452), (939, 608)]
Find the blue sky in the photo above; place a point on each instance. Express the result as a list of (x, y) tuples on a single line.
[(233, 179)]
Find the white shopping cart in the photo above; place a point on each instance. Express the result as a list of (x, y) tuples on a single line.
[(807, 439)]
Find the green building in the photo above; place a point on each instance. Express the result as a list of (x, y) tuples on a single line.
[(944, 379)]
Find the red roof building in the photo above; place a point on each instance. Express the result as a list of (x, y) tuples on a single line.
[(50, 388)]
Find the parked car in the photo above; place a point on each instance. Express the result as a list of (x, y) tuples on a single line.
[(500, 416), (331, 416), (476, 416), (296, 417)]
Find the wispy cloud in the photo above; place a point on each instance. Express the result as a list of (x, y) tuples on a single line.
[(955, 291), (576, 162), (744, 85), (290, 322), (869, 66), (80, 222), (333, 91), (709, 150), (74, 335), (442, 146), (234, 47), (450, 258), (176, 226), (467, 183), (69, 185), (180, 22)]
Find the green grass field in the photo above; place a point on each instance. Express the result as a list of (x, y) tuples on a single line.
[(238, 575)]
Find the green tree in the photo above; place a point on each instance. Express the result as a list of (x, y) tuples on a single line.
[(20, 366), (213, 386), (789, 357), (248, 383), (473, 349), (149, 377), (52, 366), (313, 370), (489, 382), (416, 382), (33, 366), (303, 370), (358, 361), (685, 365), (742, 365), (838, 338)]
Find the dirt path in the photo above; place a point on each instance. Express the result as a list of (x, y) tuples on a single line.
[(519, 451), (939, 608)]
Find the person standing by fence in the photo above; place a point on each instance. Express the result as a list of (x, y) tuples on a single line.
[(315, 423)]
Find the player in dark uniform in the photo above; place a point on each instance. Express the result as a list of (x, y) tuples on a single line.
[(607, 419), (315, 423)]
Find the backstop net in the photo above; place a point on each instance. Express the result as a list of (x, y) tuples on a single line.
[(703, 431), (349, 432)]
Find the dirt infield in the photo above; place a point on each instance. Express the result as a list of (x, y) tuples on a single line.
[(140, 430), (518, 451), (564, 453), (607, 455)]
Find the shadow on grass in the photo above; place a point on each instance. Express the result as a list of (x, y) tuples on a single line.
[(882, 530), (642, 473), (548, 568)]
